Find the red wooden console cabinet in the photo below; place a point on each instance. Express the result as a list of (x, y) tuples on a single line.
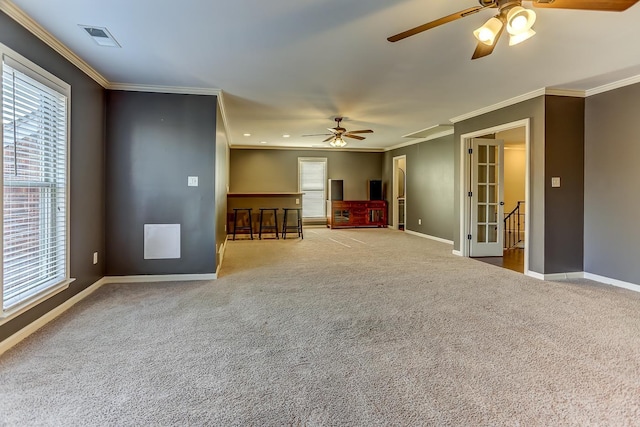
[(356, 213)]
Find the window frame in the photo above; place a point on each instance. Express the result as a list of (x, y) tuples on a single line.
[(28, 68), (324, 161)]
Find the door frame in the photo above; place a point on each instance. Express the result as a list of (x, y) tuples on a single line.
[(394, 194), (465, 184)]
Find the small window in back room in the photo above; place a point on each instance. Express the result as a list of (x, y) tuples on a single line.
[(312, 181)]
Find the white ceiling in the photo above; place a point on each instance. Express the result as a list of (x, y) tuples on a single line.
[(292, 66)]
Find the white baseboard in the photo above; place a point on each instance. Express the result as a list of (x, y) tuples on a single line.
[(456, 252), (146, 278), (48, 317), (534, 274), (426, 236), (613, 282), (584, 275), (555, 276), (564, 276)]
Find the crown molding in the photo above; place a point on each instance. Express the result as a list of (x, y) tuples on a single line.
[(223, 113), (418, 141), (18, 15), (273, 147), (506, 103), (520, 98), (566, 92), (184, 90), (614, 85), (428, 132)]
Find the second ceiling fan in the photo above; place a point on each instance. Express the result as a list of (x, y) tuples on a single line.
[(517, 20), (338, 133)]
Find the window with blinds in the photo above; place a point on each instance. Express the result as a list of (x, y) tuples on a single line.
[(34, 202), (312, 181)]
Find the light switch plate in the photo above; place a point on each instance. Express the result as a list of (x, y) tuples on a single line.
[(192, 181), (555, 181)]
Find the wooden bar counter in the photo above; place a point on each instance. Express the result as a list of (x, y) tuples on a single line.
[(257, 200)]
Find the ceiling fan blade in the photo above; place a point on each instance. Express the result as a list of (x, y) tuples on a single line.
[(603, 5), (354, 136), (330, 138), (485, 50), (318, 134), (332, 130), (436, 23), (361, 131)]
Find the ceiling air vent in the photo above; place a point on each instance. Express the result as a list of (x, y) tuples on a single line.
[(101, 36)]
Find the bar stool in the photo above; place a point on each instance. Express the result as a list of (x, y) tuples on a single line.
[(269, 227), (298, 225), (242, 227)]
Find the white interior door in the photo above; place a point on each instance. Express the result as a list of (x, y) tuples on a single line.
[(487, 205)]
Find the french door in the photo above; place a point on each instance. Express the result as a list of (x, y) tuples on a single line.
[(487, 206)]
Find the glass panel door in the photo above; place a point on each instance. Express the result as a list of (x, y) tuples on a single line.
[(486, 197)]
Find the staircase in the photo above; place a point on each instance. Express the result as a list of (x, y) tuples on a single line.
[(514, 227)]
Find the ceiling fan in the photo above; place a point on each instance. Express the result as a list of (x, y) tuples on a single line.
[(516, 18), (338, 133)]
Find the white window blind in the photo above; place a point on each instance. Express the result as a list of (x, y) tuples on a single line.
[(34, 242), (312, 182)]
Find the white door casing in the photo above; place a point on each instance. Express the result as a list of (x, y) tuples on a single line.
[(396, 194), (487, 190)]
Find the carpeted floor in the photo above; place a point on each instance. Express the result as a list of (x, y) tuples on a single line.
[(345, 327)]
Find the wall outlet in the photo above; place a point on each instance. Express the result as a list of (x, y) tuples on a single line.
[(419, 222), (192, 181), (297, 201), (95, 258), (555, 181)]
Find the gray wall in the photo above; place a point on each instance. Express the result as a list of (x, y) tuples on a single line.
[(87, 168), (430, 182), (535, 110), (154, 142), (612, 175), (564, 158), (277, 170)]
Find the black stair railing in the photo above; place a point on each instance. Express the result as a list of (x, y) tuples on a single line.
[(514, 226)]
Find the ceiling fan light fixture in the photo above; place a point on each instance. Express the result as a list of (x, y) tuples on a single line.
[(489, 31), (520, 20), (519, 38), (338, 142)]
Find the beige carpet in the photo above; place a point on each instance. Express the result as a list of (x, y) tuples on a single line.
[(353, 327)]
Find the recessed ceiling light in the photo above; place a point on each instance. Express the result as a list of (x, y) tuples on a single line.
[(247, 134), (263, 142), (101, 36), (286, 135)]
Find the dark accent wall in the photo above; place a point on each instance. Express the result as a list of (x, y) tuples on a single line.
[(612, 175), (87, 169), (154, 142), (429, 191), (534, 109), (564, 205), (277, 170)]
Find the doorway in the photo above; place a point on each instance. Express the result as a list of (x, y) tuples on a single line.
[(399, 201), (500, 213)]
